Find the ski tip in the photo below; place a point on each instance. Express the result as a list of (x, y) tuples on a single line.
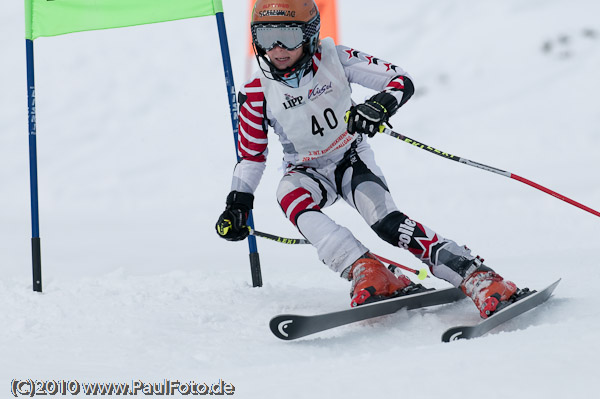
[(282, 327), (456, 333), (552, 286), (474, 331)]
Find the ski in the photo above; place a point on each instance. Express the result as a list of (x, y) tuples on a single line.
[(289, 326), (509, 312)]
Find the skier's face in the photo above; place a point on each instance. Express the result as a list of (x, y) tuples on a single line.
[(283, 58)]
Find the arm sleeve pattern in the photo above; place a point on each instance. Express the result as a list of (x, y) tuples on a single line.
[(252, 138), (375, 73)]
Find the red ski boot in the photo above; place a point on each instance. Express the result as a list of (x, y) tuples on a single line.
[(370, 278), (487, 289)]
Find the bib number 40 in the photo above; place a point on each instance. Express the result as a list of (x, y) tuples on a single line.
[(330, 119)]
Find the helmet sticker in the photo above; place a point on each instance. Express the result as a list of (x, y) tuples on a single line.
[(277, 13)]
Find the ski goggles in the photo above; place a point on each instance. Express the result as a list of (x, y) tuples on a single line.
[(267, 36)]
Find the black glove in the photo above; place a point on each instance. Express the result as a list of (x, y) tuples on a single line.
[(367, 117), (232, 222)]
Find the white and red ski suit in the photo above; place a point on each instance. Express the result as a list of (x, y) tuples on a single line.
[(324, 162)]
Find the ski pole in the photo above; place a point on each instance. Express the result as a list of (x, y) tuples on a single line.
[(389, 132), (279, 239), (421, 274)]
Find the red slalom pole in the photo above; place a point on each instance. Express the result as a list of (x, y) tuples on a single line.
[(465, 161)]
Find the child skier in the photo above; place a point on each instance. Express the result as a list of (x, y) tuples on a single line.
[(303, 92)]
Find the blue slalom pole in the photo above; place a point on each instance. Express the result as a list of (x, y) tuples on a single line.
[(35, 219), (233, 106)]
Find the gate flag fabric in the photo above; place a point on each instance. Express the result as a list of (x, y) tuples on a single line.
[(58, 17)]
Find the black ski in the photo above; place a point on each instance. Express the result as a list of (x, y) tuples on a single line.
[(288, 326), (483, 327)]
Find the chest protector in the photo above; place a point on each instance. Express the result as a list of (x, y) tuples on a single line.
[(312, 116)]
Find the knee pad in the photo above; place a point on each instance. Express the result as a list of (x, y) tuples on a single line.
[(395, 228)]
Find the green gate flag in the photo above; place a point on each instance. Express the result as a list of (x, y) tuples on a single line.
[(58, 17)]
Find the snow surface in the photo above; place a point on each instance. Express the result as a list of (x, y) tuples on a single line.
[(135, 156)]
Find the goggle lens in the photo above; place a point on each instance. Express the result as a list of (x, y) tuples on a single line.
[(288, 37)]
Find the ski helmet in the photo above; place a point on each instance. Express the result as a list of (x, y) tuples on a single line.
[(291, 24)]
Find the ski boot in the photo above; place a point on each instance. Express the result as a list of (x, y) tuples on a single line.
[(372, 281), (489, 291)]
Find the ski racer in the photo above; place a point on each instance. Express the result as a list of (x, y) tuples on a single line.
[(303, 93)]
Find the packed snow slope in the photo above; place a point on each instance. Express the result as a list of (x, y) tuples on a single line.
[(135, 154)]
